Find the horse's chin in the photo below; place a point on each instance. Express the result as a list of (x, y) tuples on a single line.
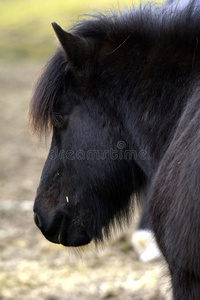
[(73, 239)]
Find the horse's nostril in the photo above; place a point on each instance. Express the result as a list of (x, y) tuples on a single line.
[(37, 221)]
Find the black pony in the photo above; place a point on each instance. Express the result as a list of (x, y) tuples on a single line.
[(122, 98)]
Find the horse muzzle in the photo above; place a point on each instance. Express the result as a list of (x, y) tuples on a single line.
[(61, 229)]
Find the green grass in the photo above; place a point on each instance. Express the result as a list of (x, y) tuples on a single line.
[(26, 31)]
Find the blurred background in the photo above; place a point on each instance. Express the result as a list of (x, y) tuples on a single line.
[(30, 266)]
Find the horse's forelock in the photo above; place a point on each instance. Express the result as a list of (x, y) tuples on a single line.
[(45, 95)]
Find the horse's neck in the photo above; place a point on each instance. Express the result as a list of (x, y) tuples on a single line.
[(149, 89), (152, 118)]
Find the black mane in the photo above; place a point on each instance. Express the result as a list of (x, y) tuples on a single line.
[(148, 27), (149, 20)]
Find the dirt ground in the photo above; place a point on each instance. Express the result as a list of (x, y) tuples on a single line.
[(30, 266)]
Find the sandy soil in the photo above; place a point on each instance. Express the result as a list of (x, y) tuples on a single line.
[(30, 266)]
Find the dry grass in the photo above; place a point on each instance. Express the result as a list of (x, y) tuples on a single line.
[(32, 268)]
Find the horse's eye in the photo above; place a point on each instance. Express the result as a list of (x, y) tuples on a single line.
[(57, 120)]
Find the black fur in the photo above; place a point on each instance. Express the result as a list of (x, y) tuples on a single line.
[(122, 98)]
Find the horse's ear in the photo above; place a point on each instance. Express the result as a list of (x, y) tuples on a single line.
[(75, 47)]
